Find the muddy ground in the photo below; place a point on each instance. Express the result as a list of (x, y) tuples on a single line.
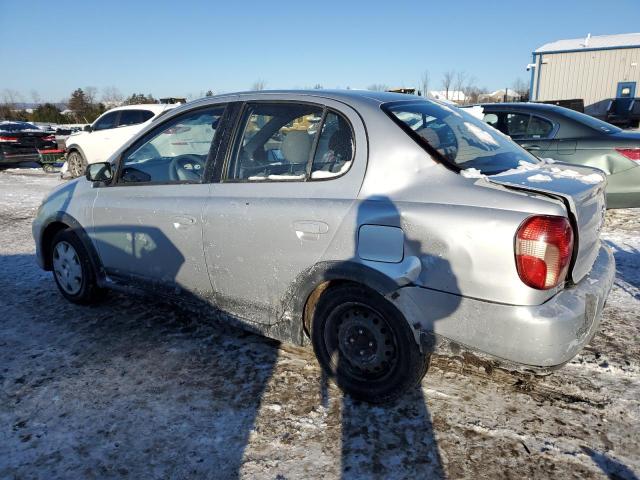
[(135, 388)]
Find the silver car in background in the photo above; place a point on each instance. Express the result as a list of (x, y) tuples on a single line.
[(363, 223)]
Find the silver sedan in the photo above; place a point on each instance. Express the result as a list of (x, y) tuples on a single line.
[(366, 224)]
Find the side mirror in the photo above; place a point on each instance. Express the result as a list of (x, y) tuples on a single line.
[(99, 172), (88, 128)]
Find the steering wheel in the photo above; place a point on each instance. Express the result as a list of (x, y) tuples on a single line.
[(186, 167)]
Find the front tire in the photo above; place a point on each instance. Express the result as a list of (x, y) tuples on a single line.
[(76, 164), (73, 271), (365, 344)]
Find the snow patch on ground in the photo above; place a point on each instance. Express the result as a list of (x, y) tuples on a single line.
[(139, 388)]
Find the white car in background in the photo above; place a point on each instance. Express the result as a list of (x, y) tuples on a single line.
[(98, 141)]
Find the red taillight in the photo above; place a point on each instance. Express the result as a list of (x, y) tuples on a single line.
[(49, 138), (543, 251), (8, 139), (630, 153)]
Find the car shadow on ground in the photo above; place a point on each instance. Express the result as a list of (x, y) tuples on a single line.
[(122, 386), (381, 441), (627, 259)]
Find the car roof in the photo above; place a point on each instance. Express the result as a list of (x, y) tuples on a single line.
[(351, 97), (154, 107), (538, 107)]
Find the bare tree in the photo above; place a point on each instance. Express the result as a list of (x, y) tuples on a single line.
[(521, 89), (470, 90), (112, 95), (258, 85), (447, 81), (91, 94), (35, 96), (11, 97), (9, 105), (459, 84), (424, 83)]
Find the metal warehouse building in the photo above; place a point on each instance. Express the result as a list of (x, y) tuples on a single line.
[(595, 69)]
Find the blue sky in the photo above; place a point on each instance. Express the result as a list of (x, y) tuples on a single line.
[(182, 48)]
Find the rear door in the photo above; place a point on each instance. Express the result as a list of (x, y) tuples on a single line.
[(290, 177), (147, 225), (532, 132)]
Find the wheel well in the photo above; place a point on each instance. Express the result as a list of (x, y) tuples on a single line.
[(312, 301), (47, 238)]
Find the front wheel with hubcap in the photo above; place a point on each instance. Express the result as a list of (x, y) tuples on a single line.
[(76, 164), (365, 344), (73, 271)]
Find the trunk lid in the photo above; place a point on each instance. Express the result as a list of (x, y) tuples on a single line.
[(581, 189)]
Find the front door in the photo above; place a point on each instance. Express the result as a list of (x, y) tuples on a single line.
[(147, 225), (292, 177), (99, 139), (625, 94)]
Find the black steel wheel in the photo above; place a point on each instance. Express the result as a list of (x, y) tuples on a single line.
[(364, 343)]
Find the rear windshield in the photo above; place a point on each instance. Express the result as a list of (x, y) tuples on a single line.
[(17, 126), (589, 121), (461, 140)]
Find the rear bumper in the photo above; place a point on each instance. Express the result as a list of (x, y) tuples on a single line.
[(544, 335), (9, 158)]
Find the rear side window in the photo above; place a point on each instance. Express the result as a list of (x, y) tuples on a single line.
[(458, 138), (134, 117), (517, 124), (539, 127), (290, 142), (334, 153)]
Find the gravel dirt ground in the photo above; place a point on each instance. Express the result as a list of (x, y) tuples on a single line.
[(137, 388)]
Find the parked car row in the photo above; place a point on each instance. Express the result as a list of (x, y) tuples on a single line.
[(22, 142), (98, 141), (346, 220), (564, 135)]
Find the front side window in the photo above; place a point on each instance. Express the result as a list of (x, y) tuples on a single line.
[(176, 151), (460, 139), (290, 142), (134, 117), (106, 121)]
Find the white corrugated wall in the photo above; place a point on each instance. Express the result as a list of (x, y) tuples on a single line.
[(592, 75)]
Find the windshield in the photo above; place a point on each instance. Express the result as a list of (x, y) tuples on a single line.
[(461, 139), (590, 121)]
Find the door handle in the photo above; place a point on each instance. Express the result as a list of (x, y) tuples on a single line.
[(310, 229), (181, 222)]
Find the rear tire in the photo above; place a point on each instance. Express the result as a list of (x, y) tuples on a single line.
[(365, 344), (73, 271), (76, 164)]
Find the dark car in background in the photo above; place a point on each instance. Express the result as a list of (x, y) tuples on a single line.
[(22, 142), (564, 135)]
